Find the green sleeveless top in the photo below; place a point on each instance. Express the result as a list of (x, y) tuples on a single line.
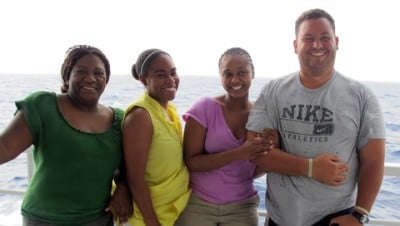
[(71, 184), (166, 174)]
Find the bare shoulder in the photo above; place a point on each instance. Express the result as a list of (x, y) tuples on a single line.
[(137, 117)]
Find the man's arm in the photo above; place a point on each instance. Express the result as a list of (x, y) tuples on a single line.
[(325, 168), (370, 176), (280, 162), (371, 172)]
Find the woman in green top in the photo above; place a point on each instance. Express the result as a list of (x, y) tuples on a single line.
[(76, 147), (152, 137)]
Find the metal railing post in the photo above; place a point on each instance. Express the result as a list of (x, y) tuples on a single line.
[(31, 165)]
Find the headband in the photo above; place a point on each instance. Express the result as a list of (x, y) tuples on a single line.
[(147, 59)]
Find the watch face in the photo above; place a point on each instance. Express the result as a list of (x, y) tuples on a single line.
[(364, 219)]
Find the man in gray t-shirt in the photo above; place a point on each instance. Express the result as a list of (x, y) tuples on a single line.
[(319, 112)]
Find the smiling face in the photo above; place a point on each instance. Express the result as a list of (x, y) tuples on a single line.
[(316, 46), (87, 80), (236, 74), (161, 79)]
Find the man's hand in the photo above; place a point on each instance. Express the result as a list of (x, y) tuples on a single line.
[(329, 169)]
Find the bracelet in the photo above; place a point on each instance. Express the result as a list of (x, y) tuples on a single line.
[(362, 209), (310, 167)]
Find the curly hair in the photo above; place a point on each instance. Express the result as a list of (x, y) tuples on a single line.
[(72, 56)]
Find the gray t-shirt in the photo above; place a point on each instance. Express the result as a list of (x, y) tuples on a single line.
[(339, 118)]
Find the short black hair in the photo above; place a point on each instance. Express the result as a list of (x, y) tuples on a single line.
[(313, 14)]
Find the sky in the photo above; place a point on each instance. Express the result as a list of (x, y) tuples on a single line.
[(34, 34)]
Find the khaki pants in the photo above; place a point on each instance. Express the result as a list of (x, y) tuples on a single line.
[(201, 213)]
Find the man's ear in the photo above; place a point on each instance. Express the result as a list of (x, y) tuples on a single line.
[(337, 43)]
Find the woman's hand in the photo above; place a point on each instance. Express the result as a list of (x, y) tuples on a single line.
[(121, 204), (252, 148)]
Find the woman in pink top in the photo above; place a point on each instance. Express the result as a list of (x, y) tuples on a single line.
[(217, 153)]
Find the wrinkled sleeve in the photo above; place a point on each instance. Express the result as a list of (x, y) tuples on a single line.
[(258, 115), (31, 106), (372, 121), (198, 111)]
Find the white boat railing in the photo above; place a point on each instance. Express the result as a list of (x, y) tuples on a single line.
[(391, 169)]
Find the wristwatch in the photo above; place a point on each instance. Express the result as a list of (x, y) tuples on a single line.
[(361, 217)]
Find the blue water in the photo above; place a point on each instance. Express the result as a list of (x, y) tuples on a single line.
[(122, 89)]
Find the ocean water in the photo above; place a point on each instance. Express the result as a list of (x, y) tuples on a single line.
[(122, 89)]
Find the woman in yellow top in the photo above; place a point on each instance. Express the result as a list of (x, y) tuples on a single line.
[(152, 139)]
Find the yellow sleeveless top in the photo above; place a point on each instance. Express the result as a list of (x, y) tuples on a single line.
[(166, 174)]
